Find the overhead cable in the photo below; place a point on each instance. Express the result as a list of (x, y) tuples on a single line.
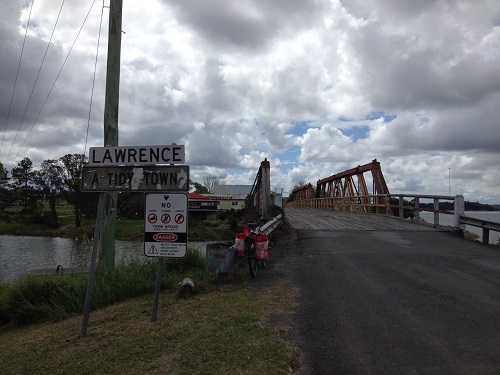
[(17, 74), (57, 77), (36, 79)]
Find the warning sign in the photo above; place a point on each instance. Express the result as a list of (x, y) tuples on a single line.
[(166, 238)]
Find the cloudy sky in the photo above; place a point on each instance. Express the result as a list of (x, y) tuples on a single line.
[(316, 87)]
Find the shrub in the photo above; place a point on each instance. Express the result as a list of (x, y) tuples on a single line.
[(34, 299)]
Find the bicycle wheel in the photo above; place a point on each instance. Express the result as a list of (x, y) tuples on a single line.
[(252, 262)]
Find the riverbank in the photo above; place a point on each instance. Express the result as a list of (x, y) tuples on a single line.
[(223, 329), (126, 229)]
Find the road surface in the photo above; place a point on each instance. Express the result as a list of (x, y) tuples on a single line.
[(405, 301)]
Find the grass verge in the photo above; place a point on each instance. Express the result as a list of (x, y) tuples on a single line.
[(223, 330)]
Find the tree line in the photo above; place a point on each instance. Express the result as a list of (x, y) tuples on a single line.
[(37, 192), (34, 189)]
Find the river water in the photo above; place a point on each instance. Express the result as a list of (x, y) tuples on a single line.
[(22, 254)]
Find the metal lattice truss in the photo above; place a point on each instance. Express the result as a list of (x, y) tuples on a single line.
[(348, 190)]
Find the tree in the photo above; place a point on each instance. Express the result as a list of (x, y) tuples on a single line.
[(49, 178), (199, 188), (4, 194), (4, 175), (70, 188), (23, 176), (210, 182)]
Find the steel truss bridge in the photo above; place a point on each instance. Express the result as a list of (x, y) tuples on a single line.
[(347, 191)]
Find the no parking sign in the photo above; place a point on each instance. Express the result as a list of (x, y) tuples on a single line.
[(165, 225)]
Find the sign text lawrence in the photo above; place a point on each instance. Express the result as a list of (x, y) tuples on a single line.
[(137, 155)]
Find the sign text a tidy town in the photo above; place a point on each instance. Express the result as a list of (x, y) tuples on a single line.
[(137, 155), (136, 178)]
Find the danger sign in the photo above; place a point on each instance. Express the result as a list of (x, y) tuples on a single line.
[(166, 237)]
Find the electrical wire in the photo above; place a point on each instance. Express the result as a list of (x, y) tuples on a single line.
[(93, 82), (57, 77), (17, 75), (36, 79)]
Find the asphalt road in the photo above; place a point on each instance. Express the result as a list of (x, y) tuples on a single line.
[(396, 302)]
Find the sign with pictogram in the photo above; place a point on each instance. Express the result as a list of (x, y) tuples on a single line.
[(166, 238), (152, 218)]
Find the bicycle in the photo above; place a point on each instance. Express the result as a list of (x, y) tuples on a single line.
[(251, 230)]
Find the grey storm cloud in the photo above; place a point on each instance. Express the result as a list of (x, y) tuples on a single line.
[(314, 86)]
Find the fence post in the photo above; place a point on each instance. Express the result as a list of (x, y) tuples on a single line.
[(436, 211), (459, 210), (401, 208), (417, 211)]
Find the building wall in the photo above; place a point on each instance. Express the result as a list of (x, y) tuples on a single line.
[(228, 202)]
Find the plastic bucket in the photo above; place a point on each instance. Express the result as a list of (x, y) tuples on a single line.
[(220, 257), (261, 246), (239, 244)]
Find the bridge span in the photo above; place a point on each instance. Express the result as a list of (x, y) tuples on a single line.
[(312, 218), (382, 295)]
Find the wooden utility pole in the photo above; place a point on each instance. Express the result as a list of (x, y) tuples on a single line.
[(108, 227)]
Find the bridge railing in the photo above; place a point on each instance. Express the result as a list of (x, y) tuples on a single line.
[(388, 204), (362, 203)]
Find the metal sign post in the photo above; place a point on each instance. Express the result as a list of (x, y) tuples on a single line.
[(165, 232)]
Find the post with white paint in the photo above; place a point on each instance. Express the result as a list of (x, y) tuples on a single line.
[(436, 211), (401, 208), (459, 210), (417, 210)]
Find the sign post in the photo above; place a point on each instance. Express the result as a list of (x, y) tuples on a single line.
[(165, 232), (144, 169)]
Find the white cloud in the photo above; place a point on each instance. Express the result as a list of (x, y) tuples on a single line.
[(239, 82)]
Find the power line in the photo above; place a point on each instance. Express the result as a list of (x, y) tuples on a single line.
[(57, 77), (36, 80), (17, 74), (93, 81)]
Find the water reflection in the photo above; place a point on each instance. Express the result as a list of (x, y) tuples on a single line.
[(20, 254)]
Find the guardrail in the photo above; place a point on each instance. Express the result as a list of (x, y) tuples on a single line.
[(271, 225), (486, 225)]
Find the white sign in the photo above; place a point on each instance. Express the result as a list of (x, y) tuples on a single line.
[(165, 225), (136, 155), (136, 178)]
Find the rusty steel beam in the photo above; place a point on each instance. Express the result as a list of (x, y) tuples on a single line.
[(336, 185), (343, 184)]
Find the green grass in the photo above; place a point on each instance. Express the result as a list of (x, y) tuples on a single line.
[(54, 297), (222, 329)]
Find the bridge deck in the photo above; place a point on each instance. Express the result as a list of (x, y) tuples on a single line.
[(310, 218)]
